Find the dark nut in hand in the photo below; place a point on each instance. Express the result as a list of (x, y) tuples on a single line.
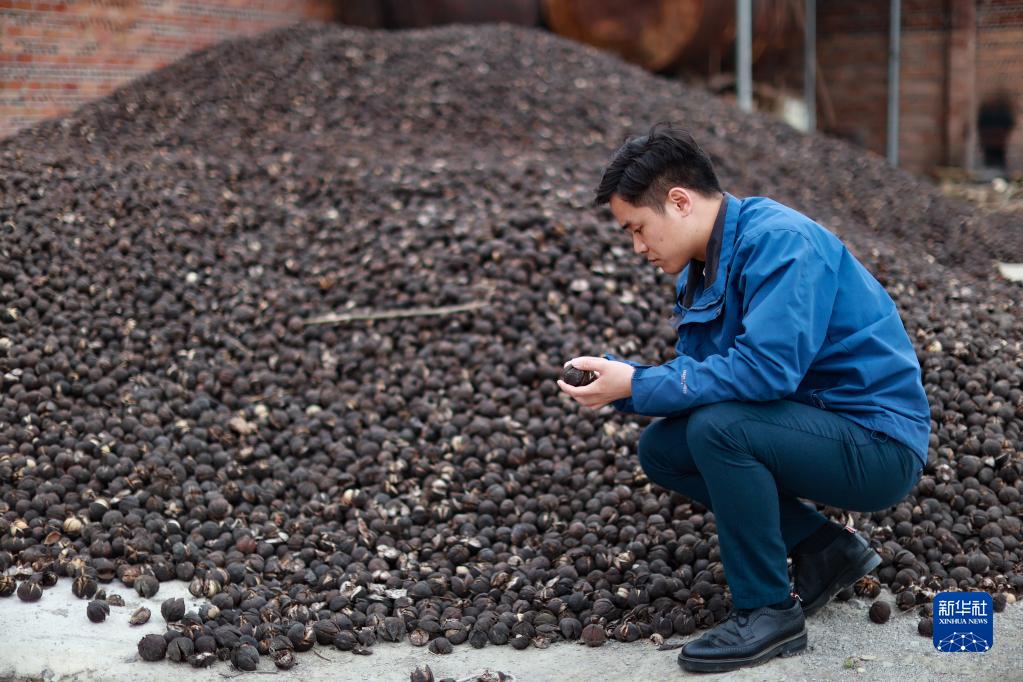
[(577, 377)]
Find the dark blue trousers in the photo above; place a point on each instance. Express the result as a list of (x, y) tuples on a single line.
[(751, 462)]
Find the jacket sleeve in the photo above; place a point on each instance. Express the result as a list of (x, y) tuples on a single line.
[(789, 292)]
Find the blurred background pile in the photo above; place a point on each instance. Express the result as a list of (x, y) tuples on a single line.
[(958, 64)]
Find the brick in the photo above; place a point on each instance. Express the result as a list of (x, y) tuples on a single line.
[(56, 55)]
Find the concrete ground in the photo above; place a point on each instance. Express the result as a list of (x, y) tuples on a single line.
[(1011, 271), (53, 640)]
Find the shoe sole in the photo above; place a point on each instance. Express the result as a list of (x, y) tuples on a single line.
[(867, 562), (787, 647)]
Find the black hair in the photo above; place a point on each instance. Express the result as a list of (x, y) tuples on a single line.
[(646, 167)]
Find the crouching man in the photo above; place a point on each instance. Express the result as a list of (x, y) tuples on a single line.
[(795, 378)]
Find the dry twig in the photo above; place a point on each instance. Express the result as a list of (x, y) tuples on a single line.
[(395, 314)]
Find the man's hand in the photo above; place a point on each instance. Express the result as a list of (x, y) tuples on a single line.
[(614, 382)]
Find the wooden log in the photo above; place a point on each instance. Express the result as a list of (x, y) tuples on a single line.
[(651, 33), (658, 34)]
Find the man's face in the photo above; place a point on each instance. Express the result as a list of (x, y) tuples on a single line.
[(668, 240)]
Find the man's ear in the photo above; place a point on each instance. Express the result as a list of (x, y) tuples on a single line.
[(681, 200)]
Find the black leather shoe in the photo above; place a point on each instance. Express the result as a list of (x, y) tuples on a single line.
[(747, 637), (820, 575)]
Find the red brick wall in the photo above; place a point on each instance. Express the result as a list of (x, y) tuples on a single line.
[(852, 53), (854, 73), (922, 96), (935, 114), (56, 55), (1000, 66)]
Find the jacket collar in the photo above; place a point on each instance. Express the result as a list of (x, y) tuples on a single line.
[(700, 284)]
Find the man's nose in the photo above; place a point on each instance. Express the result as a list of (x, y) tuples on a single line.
[(637, 244)]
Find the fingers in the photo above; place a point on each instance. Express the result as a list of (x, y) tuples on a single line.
[(588, 363), (579, 391), (584, 395)]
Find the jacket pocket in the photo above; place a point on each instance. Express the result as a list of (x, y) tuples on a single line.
[(695, 330), (703, 314)]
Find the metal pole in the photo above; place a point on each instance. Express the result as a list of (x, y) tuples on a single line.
[(743, 54), (893, 82), (810, 64)]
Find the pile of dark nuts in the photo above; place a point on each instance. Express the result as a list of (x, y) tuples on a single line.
[(174, 406)]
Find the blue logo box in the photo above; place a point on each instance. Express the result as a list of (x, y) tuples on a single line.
[(964, 622)]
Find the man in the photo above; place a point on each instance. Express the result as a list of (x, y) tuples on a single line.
[(795, 378)]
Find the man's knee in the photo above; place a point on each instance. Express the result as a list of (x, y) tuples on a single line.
[(663, 450), (709, 428)]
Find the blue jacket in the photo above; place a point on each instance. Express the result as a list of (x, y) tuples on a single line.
[(784, 311)]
